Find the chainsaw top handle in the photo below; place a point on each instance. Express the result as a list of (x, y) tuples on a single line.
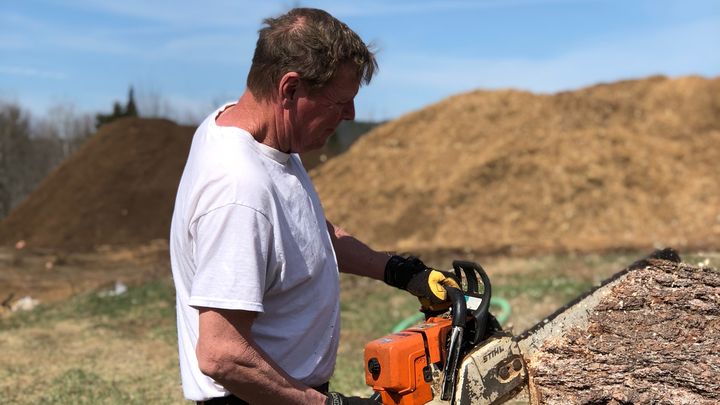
[(459, 316), (481, 313), (459, 307)]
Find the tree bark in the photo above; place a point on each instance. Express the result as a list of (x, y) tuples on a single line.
[(653, 340)]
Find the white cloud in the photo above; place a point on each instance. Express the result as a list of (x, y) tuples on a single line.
[(15, 30), (250, 13), (150, 42), (31, 72), (227, 13), (31, 33), (386, 8), (211, 48), (414, 80)]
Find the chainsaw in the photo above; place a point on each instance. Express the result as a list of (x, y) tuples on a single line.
[(463, 356)]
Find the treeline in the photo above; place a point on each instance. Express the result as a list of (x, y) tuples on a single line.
[(31, 148)]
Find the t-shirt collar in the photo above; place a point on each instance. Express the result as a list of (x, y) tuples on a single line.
[(272, 153)]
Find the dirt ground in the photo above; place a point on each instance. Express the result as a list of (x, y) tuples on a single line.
[(127, 354), (534, 285), (54, 275)]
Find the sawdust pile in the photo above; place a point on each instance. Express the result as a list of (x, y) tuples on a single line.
[(118, 189), (653, 340), (629, 165)]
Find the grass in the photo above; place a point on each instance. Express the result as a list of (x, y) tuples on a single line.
[(95, 350), (153, 299), (79, 386), (563, 288), (122, 349)]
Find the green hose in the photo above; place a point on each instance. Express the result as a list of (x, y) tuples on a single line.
[(407, 322), (502, 316), (504, 309)]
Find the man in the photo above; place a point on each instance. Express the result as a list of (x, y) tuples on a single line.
[(254, 260)]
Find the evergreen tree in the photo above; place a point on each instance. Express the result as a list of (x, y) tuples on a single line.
[(117, 110), (130, 110)]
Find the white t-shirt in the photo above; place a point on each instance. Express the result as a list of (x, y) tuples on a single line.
[(249, 233)]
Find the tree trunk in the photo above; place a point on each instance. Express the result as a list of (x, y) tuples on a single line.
[(653, 340)]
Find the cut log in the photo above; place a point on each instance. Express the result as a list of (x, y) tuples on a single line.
[(653, 340)]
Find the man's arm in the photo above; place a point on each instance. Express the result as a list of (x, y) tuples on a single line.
[(227, 354), (356, 257), (406, 273)]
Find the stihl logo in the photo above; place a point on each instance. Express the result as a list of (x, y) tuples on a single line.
[(492, 353)]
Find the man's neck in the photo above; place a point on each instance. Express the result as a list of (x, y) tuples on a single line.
[(261, 119)]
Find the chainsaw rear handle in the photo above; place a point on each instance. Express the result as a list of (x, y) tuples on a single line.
[(481, 313)]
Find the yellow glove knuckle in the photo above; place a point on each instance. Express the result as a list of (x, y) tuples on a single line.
[(437, 282), (450, 282)]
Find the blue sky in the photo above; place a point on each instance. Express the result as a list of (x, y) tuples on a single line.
[(185, 57)]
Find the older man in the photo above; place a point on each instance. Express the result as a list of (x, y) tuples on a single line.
[(254, 260)]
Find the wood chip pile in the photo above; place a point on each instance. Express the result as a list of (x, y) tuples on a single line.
[(626, 165)]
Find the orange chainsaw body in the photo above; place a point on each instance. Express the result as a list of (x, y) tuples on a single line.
[(398, 365)]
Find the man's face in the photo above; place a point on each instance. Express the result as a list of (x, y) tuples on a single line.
[(319, 111)]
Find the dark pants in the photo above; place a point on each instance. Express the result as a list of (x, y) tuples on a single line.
[(233, 400)]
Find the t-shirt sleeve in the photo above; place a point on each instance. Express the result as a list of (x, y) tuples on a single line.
[(232, 244)]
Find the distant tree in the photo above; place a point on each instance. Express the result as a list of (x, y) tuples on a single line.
[(151, 103), (31, 148), (130, 110), (117, 109), (14, 149), (57, 135)]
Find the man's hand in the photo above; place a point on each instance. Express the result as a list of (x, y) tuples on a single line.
[(335, 398), (427, 284)]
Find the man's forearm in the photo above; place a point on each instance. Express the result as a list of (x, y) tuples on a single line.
[(235, 362), (262, 382), (356, 257)]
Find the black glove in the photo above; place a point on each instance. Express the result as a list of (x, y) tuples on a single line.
[(335, 398), (427, 284)]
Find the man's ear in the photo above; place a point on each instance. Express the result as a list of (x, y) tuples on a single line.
[(288, 88)]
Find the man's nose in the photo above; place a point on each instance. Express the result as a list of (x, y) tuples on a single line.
[(349, 111)]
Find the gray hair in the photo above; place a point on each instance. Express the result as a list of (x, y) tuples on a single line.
[(308, 41)]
